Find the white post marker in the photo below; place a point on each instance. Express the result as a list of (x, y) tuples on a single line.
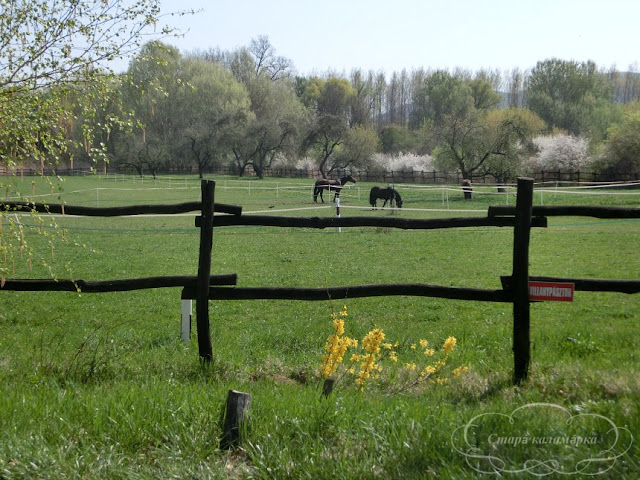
[(186, 320), (338, 211)]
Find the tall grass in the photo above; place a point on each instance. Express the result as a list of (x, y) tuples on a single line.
[(100, 385)]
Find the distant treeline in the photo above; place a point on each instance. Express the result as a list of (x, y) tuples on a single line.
[(247, 112)]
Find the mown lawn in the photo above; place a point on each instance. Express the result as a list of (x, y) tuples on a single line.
[(101, 386)]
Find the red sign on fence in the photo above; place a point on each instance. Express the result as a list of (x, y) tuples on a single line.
[(551, 291)]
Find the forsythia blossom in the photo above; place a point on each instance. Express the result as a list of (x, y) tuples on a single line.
[(336, 346), (371, 344), (366, 361), (460, 370), (449, 343), (428, 370)]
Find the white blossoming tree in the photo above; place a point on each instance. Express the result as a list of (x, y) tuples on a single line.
[(562, 152)]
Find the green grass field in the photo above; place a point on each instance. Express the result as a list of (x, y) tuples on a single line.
[(101, 386)]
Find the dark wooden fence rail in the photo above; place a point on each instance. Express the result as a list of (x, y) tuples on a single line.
[(570, 211), (389, 222), (352, 291), (122, 285), (205, 287), (158, 209)]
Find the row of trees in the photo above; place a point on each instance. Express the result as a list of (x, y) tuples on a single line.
[(247, 108), (242, 107)]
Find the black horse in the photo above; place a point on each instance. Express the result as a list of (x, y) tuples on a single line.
[(387, 194), (335, 185)]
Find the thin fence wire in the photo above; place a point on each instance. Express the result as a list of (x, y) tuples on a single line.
[(392, 176)]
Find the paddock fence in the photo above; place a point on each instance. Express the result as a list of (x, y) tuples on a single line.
[(405, 175), (205, 287)]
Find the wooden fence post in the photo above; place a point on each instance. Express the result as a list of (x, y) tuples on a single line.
[(520, 280), (204, 271), (327, 387), (236, 416)]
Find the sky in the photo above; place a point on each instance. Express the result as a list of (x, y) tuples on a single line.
[(338, 36)]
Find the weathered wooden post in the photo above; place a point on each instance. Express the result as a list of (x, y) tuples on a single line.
[(520, 280), (204, 271), (236, 417), (327, 387)]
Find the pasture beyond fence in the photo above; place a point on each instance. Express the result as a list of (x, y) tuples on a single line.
[(204, 287)]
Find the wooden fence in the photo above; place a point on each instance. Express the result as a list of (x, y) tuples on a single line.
[(205, 287)]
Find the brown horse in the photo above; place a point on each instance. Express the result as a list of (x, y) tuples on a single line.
[(335, 185), (466, 188)]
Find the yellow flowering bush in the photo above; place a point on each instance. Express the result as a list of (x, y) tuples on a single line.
[(336, 346), (365, 361)]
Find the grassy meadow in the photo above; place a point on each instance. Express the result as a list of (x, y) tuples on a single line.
[(101, 385)]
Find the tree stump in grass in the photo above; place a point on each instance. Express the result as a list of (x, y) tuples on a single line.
[(327, 386), (236, 418)]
